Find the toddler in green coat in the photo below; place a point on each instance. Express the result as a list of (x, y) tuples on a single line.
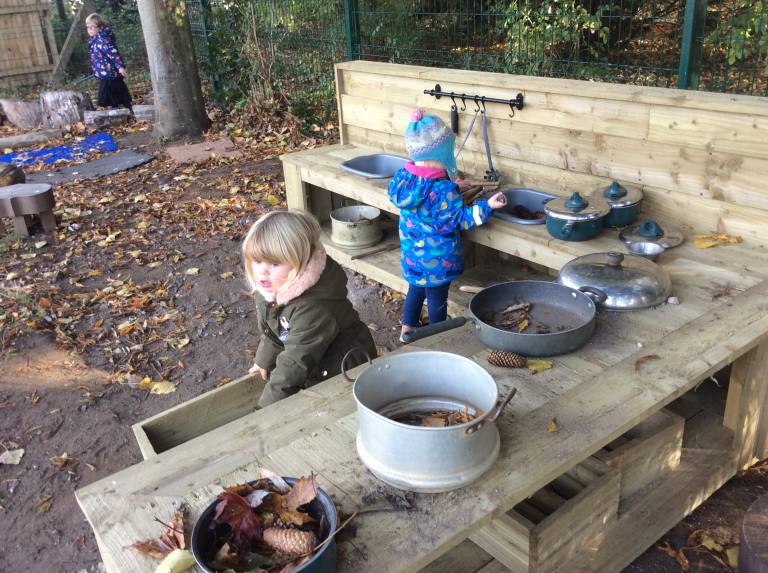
[(306, 321)]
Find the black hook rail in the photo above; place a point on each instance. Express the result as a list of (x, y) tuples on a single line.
[(516, 102)]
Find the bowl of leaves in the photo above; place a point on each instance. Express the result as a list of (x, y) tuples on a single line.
[(270, 525)]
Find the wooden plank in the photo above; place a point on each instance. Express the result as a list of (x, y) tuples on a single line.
[(21, 9), (588, 417), (507, 540), (555, 110), (296, 191), (657, 509), (466, 557), (598, 90), (745, 411), (668, 166), (717, 131), (199, 415), (653, 448)]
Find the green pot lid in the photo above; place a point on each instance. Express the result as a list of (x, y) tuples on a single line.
[(617, 195), (576, 208), (651, 232)]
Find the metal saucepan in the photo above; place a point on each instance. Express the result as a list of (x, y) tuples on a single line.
[(419, 458), (560, 320)]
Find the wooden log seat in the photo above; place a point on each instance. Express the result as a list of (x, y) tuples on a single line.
[(23, 199)]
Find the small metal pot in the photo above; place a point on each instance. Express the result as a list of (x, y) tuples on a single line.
[(574, 218), (322, 508), (426, 459), (624, 204), (356, 227), (630, 282)]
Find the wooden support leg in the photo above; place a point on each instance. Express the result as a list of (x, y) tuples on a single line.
[(48, 221), (296, 191), (20, 226), (746, 409)]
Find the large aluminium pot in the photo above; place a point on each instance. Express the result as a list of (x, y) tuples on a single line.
[(426, 459), (561, 319), (356, 227)]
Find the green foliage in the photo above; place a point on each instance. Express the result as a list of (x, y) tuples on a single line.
[(545, 37), (743, 35)]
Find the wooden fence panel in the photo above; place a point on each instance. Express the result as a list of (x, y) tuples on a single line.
[(27, 45)]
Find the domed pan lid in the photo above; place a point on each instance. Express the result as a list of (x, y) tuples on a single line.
[(630, 282), (651, 232), (576, 208), (619, 196)]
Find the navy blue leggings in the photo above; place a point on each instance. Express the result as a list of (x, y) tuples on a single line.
[(437, 304)]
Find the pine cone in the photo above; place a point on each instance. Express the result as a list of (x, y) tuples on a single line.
[(507, 359), (291, 542)]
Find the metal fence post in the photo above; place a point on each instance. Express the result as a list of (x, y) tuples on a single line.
[(205, 20), (692, 45), (352, 28)]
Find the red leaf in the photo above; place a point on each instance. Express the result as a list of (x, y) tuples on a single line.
[(171, 538), (236, 512)]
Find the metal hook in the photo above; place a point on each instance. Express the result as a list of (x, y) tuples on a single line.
[(477, 104), (512, 107), (482, 101), (453, 95), (463, 103)]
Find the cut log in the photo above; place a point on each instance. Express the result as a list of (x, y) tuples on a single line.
[(144, 113), (61, 108), (22, 113), (105, 117), (31, 138), (11, 174)]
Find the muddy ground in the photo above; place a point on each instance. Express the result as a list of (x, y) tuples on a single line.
[(142, 284)]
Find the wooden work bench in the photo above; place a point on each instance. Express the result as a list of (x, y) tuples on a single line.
[(640, 442)]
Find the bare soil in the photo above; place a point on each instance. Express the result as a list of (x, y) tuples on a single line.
[(143, 284)]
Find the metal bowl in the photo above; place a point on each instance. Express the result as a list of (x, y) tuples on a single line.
[(645, 249)]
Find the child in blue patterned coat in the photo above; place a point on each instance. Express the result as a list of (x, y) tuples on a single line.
[(432, 216), (107, 64)]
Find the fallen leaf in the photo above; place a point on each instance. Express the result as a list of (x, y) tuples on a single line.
[(708, 240), (236, 512), (522, 325), (552, 427), (643, 359), (61, 460), (192, 271), (40, 244), (676, 554), (733, 556), (12, 457), (226, 275), (44, 504), (710, 543), (303, 491), (11, 276), (171, 538), (178, 343), (537, 365), (272, 200), (163, 387)]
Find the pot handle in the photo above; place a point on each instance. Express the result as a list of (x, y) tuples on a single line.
[(598, 296), (496, 414), (437, 328), (567, 229), (347, 377)]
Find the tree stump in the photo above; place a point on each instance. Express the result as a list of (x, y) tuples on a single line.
[(753, 551), (18, 201), (21, 113), (106, 117), (61, 108)]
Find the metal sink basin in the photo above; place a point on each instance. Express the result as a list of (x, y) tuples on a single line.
[(376, 166), (523, 206)]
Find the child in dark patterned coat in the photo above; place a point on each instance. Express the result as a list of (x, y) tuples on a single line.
[(107, 64), (432, 216)]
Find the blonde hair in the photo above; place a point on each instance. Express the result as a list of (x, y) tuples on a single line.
[(282, 237), (95, 19)]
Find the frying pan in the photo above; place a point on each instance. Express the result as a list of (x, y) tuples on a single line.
[(560, 318)]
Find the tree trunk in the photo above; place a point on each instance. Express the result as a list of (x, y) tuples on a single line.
[(179, 105), (65, 107), (23, 114)]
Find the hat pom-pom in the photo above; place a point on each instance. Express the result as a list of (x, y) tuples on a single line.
[(416, 114)]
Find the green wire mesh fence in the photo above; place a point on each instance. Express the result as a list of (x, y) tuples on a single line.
[(290, 46)]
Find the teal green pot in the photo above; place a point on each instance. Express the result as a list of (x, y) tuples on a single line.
[(624, 203), (574, 230), (575, 219)]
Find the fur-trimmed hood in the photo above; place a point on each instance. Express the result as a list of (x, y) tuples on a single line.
[(306, 279)]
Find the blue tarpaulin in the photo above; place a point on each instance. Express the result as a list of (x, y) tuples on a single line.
[(94, 143)]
